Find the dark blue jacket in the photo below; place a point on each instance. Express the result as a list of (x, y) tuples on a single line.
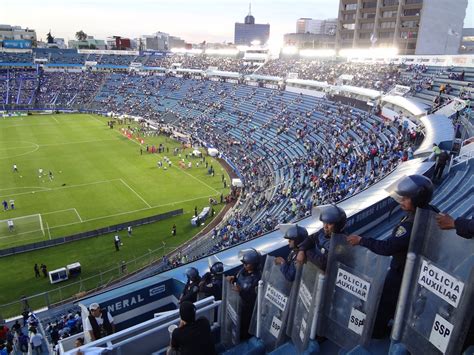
[(464, 227), (288, 269), (396, 245), (248, 283), (316, 247)]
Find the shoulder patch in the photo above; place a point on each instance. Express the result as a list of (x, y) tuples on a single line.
[(400, 231)]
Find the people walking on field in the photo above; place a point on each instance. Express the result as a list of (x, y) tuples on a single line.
[(15, 168), (117, 243), (37, 272), (44, 269)]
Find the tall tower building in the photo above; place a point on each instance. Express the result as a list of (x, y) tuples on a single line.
[(249, 31), (413, 26)]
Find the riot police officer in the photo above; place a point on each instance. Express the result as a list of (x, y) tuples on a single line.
[(316, 247), (211, 282), (245, 283), (411, 192), (295, 235), (191, 288)]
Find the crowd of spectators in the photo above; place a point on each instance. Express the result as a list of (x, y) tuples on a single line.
[(292, 151), (23, 337), (362, 148), (371, 76), (71, 90), (18, 86)]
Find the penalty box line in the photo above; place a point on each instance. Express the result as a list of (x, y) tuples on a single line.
[(133, 211), (136, 193)]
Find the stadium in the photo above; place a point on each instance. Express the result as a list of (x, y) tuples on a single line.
[(123, 172)]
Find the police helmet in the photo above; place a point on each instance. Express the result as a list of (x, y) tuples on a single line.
[(417, 187), (296, 233), (192, 273), (332, 214), (217, 268), (249, 256), (215, 265)]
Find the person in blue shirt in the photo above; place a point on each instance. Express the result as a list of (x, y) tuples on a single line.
[(411, 192), (315, 248), (295, 235)]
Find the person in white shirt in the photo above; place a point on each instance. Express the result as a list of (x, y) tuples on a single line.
[(36, 342), (99, 323), (11, 226)]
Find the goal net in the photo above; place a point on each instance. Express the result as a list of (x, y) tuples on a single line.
[(19, 226)]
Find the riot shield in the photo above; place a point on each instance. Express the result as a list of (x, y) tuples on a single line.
[(355, 279), (230, 326), (275, 306), (305, 306), (435, 304)]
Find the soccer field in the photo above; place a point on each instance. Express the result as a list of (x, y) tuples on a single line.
[(99, 178)]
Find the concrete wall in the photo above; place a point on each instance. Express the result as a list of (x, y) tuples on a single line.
[(437, 18)]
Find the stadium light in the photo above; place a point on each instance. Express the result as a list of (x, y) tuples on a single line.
[(195, 51), (178, 50), (289, 50), (222, 51), (380, 52), (317, 52)]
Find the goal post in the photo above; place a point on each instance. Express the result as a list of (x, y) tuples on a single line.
[(24, 225)]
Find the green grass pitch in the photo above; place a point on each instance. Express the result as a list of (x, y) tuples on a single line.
[(99, 178)]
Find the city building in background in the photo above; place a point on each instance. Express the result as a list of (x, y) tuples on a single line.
[(119, 43), (89, 43), (413, 26), (310, 40), (319, 27), (249, 31), (17, 37), (467, 41), (160, 41)]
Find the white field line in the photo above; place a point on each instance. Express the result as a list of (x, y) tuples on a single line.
[(104, 217), (21, 154), (54, 118), (64, 187), (195, 178), (26, 187), (12, 148), (133, 211), (58, 211), (136, 193), (95, 118), (78, 142), (78, 215), (49, 233), (17, 234)]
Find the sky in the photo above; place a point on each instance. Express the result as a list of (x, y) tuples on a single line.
[(192, 20)]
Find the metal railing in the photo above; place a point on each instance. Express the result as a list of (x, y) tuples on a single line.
[(77, 289)]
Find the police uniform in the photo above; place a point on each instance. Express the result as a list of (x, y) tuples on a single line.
[(211, 285), (248, 283), (190, 291), (316, 248), (396, 246), (288, 269)]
